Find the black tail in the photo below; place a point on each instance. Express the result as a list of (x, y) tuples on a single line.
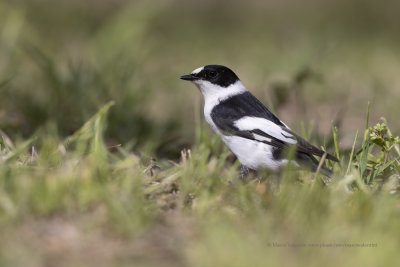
[(308, 161)]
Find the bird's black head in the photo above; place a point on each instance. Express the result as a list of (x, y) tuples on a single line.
[(215, 74)]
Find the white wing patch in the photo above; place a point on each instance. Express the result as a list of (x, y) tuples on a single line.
[(284, 124), (252, 123), (261, 138)]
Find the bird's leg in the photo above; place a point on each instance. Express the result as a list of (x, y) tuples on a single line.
[(244, 171)]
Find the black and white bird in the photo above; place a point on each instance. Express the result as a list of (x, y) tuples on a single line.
[(252, 132)]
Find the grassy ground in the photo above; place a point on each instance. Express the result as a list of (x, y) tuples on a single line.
[(141, 180)]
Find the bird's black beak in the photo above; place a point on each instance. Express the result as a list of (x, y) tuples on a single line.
[(189, 77)]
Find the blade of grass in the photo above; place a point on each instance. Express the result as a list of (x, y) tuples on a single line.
[(367, 148), (351, 154), (321, 163), (396, 147), (367, 123), (88, 125), (19, 150), (380, 170), (335, 141)]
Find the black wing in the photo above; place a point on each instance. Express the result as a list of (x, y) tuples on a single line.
[(263, 125)]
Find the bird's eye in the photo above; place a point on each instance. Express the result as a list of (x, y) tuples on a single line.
[(212, 74)]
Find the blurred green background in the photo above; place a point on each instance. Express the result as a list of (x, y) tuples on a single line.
[(313, 62)]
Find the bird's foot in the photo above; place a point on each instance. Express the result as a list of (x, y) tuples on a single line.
[(244, 172)]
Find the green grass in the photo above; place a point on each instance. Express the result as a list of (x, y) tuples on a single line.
[(75, 194), (105, 159)]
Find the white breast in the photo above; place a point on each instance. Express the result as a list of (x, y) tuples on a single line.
[(253, 154), (207, 116), (214, 94)]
